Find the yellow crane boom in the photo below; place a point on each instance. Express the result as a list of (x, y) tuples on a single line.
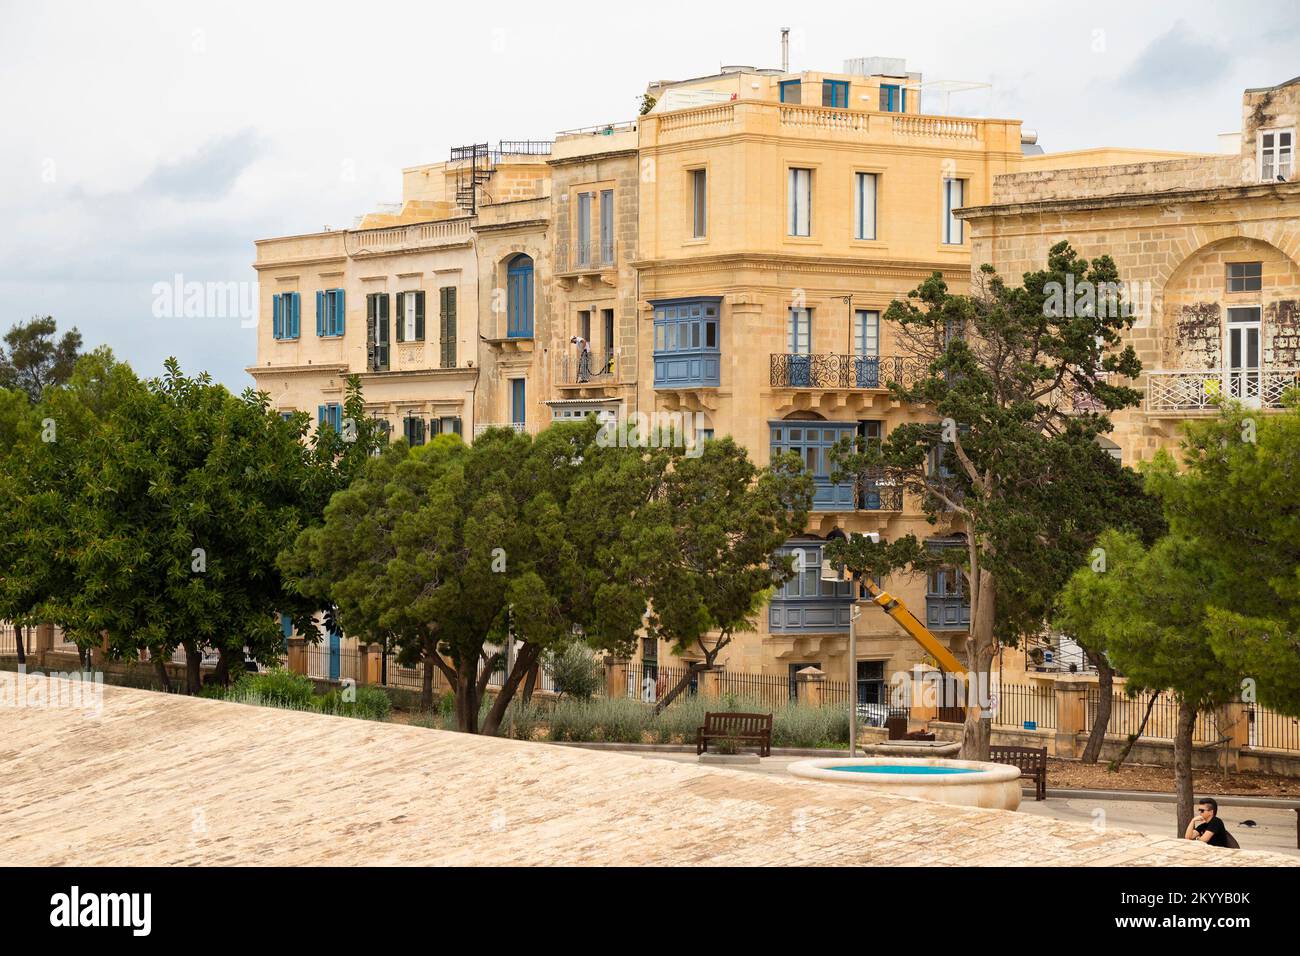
[(909, 622)]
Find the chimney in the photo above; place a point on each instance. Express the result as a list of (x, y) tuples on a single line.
[(785, 49)]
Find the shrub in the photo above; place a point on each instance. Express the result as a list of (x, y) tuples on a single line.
[(213, 691), (575, 671), (371, 704), (275, 688), (682, 718), (521, 720)]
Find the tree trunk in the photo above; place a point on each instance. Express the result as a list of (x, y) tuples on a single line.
[(525, 662), (426, 685), (1133, 738), (1183, 763), (530, 682), (977, 730), (160, 666), (467, 694), (1105, 687), (696, 667), (221, 675), (192, 670), (18, 641)]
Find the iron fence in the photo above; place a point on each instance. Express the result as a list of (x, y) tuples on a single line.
[(1022, 704), (1270, 730), (1127, 713)]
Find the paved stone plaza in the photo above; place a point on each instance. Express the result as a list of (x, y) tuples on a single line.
[(156, 779)]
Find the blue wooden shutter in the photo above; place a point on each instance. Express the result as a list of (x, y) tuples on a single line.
[(419, 316), (295, 303), (320, 313), (277, 317), (340, 313)]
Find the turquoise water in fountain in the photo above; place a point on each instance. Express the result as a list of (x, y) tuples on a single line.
[(900, 768)]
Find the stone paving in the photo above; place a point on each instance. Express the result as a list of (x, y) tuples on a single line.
[(156, 779)]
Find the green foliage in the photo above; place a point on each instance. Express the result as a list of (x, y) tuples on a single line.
[(575, 671), (275, 688), (1010, 461), (371, 703), (31, 359)]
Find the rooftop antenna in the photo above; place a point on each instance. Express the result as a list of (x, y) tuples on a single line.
[(785, 49)]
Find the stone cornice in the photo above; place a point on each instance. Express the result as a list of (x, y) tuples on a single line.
[(830, 265), (1277, 191), (593, 157), (333, 369), (521, 225)]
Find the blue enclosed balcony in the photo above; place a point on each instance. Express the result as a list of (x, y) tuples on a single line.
[(687, 350), (812, 441), (806, 603)]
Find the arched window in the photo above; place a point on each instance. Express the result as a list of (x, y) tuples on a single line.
[(519, 297)]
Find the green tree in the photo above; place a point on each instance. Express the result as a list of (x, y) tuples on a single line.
[(1238, 496), (1015, 383), (178, 499), (447, 551), (723, 518), (1150, 604), (31, 358)]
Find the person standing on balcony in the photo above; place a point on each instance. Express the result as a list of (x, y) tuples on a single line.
[(584, 358)]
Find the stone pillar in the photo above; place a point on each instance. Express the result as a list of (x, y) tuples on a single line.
[(40, 642), (810, 686), (1071, 716), (1233, 722), (298, 655), (615, 678), (711, 683), (363, 664), (374, 662)]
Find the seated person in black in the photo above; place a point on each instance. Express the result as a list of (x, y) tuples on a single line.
[(1206, 825)]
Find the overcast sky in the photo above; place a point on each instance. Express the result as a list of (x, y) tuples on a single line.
[(141, 141)]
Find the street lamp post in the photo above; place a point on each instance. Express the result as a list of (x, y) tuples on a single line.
[(854, 611)]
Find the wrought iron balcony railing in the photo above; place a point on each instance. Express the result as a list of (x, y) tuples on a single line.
[(1197, 390), (595, 255), (596, 367), (829, 370)]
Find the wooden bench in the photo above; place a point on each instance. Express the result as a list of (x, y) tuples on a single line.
[(1032, 762), (742, 728)]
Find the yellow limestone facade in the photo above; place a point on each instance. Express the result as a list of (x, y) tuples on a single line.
[(728, 257), (1212, 244), (780, 214)]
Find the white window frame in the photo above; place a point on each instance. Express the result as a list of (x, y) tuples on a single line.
[(699, 203), (1275, 152), (408, 318), (800, 187), (866, 334), (952, 226), (866, 187), (798, 331)]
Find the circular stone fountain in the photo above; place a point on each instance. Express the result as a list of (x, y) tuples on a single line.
[(967, 783)]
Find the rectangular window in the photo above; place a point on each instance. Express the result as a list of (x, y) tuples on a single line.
[(606, 226), (799, 331), (800, 202), (871, 690), (447, 326), (790, 91), (584, 325), (413, 430), (864, 206), (699, 203), (1276, 155), (330, 313), (410, 316), (518, 409), (866, 333), (377, 333), (687, 341), (835, 93), (1245, 276), (447, 425), (954, 194), (584, 229), (893, 98), (331, 415), (285, 314)]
